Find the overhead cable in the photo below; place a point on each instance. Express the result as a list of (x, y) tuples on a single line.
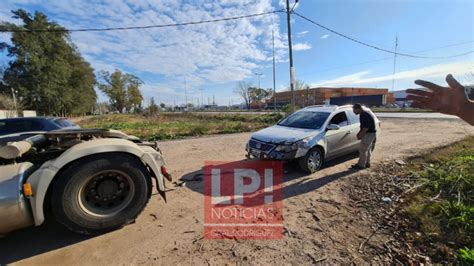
[(376, 47), (146, 26)]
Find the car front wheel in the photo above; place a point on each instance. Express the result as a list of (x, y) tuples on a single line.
[(312, 161)]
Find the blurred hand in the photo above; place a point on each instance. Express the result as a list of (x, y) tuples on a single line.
[(447, 100)]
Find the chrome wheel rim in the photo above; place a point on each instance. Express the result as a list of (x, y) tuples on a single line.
[(314, 161), (106, 193)]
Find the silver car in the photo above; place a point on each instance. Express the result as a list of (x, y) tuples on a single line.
[(311, 135)]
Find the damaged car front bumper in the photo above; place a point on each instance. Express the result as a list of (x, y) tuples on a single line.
[(275, 151)]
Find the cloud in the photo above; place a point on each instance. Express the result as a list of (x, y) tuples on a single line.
[(215, 52), (301, 46), (302, 33), (325, 36), (346, 79), (437, 72), (282, 4)]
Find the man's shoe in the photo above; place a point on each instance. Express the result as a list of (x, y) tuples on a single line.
[(357, 167), (367, 165)]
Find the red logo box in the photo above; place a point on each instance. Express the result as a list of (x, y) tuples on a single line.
[(243, 200)]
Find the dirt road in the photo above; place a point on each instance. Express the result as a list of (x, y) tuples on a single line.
[(322, 225)]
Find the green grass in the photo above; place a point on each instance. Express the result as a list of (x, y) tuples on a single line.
[(179, 125), (443, 208)]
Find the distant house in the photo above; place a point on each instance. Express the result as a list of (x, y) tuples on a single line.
[(401, 98)]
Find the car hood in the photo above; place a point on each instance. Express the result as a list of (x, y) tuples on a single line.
[(279, 134)]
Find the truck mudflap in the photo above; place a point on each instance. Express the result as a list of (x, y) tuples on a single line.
[(15, 210)]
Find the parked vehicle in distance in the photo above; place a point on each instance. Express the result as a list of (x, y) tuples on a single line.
[(92, 180), (311, 135), (10, 128)]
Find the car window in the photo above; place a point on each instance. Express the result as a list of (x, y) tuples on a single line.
[(353, 118), (2, 126), (18, 126), (340, 119), (305, 119), (64, 123)]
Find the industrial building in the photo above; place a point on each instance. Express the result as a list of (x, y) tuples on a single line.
[(339, 96)]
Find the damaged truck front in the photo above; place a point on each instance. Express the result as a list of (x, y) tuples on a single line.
[(91, 181)]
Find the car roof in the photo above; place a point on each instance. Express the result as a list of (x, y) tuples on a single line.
[(327, 108), (31, 118)]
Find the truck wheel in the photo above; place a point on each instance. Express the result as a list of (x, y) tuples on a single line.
[(101, 193), (312, 161)]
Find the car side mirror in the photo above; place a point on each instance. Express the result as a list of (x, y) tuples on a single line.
[(333, 127)]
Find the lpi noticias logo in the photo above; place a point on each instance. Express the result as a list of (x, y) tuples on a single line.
[(243, 200)]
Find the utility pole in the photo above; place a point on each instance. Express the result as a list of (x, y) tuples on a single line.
[(202, 99), (258, 75), (14, 101), (394, 62), (185, 93), (274, 90), (292, 68)]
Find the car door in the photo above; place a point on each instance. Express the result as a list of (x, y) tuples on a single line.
[(338, 141), (354, 125)]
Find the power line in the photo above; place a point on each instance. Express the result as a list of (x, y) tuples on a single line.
[(376, 47), (147, 26), (380, 59)]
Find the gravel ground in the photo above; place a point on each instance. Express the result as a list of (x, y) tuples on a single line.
[(321, 224)]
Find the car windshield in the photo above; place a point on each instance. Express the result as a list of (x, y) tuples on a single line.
[(64, 123), (305, 119)]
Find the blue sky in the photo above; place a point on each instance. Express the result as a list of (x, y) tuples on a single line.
[(213, 58)]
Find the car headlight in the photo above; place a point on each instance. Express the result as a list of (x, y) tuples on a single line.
[(287, 147), (304, 142)]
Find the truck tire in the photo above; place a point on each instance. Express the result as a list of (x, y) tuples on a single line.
[(101, 193), (312, 161)]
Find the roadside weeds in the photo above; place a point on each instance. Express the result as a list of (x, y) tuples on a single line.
[(425, 205)]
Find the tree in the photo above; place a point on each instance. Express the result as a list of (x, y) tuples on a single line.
[(259, 95), (244, 91), (152, 108), (162, 105), (46, 68), (3, 86), (102, 108), (299, 85), (122, 89)]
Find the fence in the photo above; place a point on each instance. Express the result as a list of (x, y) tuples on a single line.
[(12, 113)]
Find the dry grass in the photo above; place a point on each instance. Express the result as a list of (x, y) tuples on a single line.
[(179, 125)]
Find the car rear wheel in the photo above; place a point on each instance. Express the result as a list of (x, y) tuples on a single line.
[(101, 193), (312, 161)]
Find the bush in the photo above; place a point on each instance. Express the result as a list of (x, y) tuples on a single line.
[(443, 208), (288, 110)]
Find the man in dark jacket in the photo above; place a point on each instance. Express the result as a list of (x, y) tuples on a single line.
[(367, 136)]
